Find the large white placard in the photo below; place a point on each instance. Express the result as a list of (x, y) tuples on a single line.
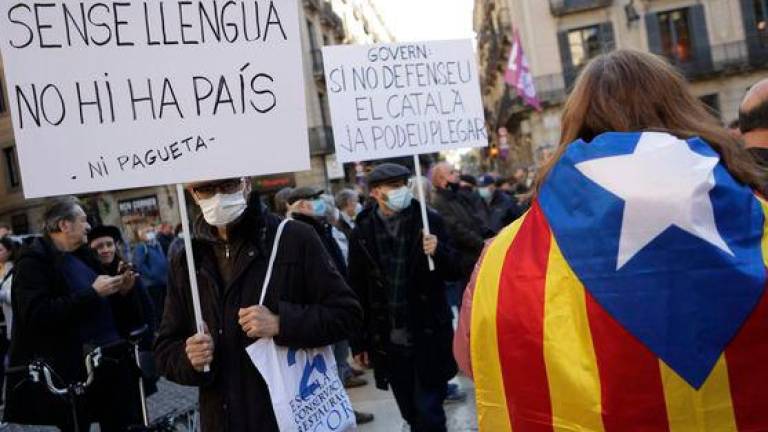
[(112, 95), (394, 100)]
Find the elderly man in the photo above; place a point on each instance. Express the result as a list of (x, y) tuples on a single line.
[(348, 203), (308, 304), (62, 308), (407, 332), (753, 121)]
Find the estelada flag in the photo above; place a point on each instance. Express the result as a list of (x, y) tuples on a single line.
[(629, 298)]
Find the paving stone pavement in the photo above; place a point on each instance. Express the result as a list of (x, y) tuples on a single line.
[(173, 398)]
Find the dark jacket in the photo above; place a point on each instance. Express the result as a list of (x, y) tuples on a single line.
[(323, 230), (501, 211), (315, 306), (464, 226), (430, 319), (47, 317)]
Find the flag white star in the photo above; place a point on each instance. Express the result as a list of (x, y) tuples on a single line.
[(663, 183)]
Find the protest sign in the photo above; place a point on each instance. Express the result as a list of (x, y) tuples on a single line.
[(113, 95), (395, 100)]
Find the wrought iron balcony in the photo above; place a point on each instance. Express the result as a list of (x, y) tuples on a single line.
[(564, 7), (317, 63)]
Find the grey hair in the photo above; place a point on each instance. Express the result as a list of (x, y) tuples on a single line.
[(59, 209), (345, 196)]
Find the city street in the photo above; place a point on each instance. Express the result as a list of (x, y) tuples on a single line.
[(173, 399)]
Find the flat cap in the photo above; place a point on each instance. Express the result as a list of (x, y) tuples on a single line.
[(105, 231), (387, 172), (304, 193), (466, 178), (486, 180)]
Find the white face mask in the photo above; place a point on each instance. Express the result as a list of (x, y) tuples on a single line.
[(223, 209)]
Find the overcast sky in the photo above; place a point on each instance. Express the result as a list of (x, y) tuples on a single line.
[(414, 20)]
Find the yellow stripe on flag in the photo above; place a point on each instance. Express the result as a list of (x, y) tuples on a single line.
[(764, 243), (707, 410), (574, 380), (492, 412)]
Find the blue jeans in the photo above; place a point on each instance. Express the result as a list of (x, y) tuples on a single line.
[(341, 354), (420, 403)]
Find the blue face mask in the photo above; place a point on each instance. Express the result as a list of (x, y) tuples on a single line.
[(319, 207), (399, 199), (484, 192)]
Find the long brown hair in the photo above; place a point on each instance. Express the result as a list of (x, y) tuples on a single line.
[(631, 91)]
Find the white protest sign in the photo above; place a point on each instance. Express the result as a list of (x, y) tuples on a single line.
[(112, 95), (395, 100)]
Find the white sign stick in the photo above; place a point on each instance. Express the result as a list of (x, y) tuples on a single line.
[(199, 324), (423, 202)]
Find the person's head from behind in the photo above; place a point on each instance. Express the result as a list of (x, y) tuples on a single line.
[(348, 202), (388, 186), (5, 230), (104, 240), (467, 182), (753, 116), (66, 223), (222, 202), (165, 229), (444, 174), (8, 250), (631, 91), (281, 201)]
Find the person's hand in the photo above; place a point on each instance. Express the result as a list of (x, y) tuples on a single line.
[(128, 280), (430, 244), (259, 322), (105, 286), (363, 360), (199, 350)]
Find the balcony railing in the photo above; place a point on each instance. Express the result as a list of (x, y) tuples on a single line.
[(321, 140), (564, 7)]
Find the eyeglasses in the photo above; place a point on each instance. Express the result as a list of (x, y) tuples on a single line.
[(209, 190)]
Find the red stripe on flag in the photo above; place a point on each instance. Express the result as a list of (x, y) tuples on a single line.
[(747, 360), (630, 377), (520, 324)]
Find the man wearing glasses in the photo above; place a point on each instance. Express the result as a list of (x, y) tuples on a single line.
[(308, 304)]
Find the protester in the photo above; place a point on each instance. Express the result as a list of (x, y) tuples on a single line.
[(165, 236), (606, 302), (499, 209), (307, 204), (464, 226), (407, 330), (308, 304), (426, 188), (468, 191), (152, 264), (178, 241), (5, 230), (520, 177), (63, 307), (348, 203), (8, 253), (281, 202), (105, 241), (753, 122)]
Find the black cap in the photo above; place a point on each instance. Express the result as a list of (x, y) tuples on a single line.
[(486, 180), (466, 178), (387, 173), (105, 231), (304, 193)]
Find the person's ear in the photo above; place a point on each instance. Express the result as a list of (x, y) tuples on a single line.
[(64, 225)]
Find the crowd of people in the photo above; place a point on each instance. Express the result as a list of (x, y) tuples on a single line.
[(352, 271)]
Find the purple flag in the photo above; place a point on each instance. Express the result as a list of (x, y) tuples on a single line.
[(519, 76)]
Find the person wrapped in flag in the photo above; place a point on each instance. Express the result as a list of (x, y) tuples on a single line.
[(631, 297)]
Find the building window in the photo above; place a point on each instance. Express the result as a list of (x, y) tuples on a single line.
[(323, 109), (584, 44), (312, 37), (12, 168), (675, 35), (20, 224)]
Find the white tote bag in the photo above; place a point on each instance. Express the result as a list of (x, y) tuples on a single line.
[(307, 394)]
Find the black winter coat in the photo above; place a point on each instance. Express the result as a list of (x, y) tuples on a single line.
[(315, 306), (47, 316), (430, 318), (467, 229)]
